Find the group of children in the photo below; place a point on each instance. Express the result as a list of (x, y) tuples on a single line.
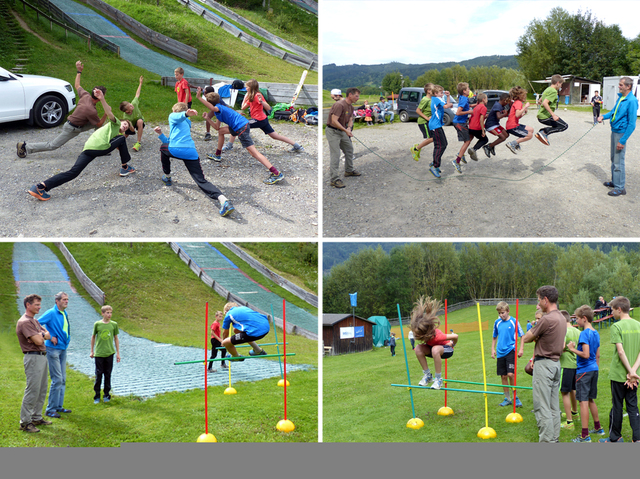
[(111, 133), (472, 121), (579, 362)]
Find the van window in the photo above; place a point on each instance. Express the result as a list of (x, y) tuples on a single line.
[(414, 96), (404, 96)]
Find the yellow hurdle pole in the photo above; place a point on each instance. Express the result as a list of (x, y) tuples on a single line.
[(484, 369)]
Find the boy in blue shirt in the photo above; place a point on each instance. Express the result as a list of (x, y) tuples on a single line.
[(588, 362), (504, 331), (435, 125), (460, 123), (248, 326)]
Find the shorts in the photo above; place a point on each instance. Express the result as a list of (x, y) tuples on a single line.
[(568, 383), (463, 131), (426, 133), (242, 337), (262, 124), (506, 364), (587, 386), (476, 134), (496, 130), (519, 131), (244, 135), (446, 353), (129, 131)]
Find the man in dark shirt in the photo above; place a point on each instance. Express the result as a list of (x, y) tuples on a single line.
[(339, 135)]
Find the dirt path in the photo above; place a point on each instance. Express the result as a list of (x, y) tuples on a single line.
[(501, 197), (26, 27)]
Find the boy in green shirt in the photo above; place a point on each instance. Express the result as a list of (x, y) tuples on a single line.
[(131, 111), (568, 365), (424, 115), (546, 113), (104, 338), (625, 334)]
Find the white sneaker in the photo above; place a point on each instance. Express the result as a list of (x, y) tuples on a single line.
[(227, 147), (426, 379), (437, 383)]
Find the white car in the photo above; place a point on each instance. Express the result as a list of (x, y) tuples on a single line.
[(43, 100)]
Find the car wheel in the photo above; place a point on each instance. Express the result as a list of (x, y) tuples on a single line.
[(49, 111), (446, 119), (404, 116)]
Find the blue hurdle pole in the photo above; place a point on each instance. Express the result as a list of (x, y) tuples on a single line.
[(413, 409)]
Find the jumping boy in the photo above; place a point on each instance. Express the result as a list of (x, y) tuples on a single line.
[(248, 326), (102, 142), (435, 125), (518, 110), (131, 111), (424, 115), (460, 124), (182, 89), (546, 113), (625, 334), (493, 124), (504, 331), (588, 364), (476, 125), (237, 125), (568, 383), (103, 339)]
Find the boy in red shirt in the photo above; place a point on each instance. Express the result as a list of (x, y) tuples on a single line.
[(518, 110), (183, 90)]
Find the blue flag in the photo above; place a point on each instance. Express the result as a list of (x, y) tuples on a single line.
[(354, 299)]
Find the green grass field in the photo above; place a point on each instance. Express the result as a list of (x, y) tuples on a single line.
[(161, 299), (360, 405)]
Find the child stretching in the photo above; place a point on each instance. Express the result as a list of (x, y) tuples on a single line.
[(433, 342), (588, 362), (237, 126), (546, 115), (256, 103), (518, 110), (131, 111), (424, 115), (476, 125), (460, 123), (493, 124), (435, 125)]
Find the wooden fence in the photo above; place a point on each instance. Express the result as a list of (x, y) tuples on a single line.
[(229, 296), (157, 39), (310, 298), (94, 291)]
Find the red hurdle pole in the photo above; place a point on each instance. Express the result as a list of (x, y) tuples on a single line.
[(206, 343), (445, 361), (284, 340), (515, 373)]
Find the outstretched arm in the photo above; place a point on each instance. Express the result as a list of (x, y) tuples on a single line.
[(139, 87), (79, 68), (204, 101), (107, 109)]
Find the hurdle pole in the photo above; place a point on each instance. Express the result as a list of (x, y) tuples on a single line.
[(486, 432), (414, 422), (206, 339), (275, 331), (285, 425), (515, 373), (445, 361)]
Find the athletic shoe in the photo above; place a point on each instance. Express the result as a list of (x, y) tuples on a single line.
[(42, 422), (53, 414), (518, 403), (513, 147), (518, 147), (609, 184), (63, 410), (96, 401), (463, 159), (338, 183), (617, 192), (564, 414), (472, 154), (227, 208), (599, 432), (273, 179), (566, 425), (487, 151), (261, 353), (227, 147), (21, 148), (237, 358), (542, 137), (38, 193), (207, 136), (352, 173), (415, 152), (492, 149), (435, 171), (437, 383), (456, 165), (212, 370), (106, 399), (582, 439), (608, 439), (166, 180), (29, 428), (127, 171), (224, 366), (214, 157), (506, 402), (137, 146), (297, 149), (426, 379)]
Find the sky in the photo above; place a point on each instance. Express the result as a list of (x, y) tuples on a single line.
[(369, 32)]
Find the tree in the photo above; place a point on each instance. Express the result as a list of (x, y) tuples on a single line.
[(392, 82)]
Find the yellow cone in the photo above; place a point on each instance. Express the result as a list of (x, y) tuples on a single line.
[(445, 411), (486, 433), (415, 423), (281, 383), (285, 425), (230, 390), (514, 417), (206, 438)]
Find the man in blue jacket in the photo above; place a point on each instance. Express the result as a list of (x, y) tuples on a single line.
[(623, 122), (57, 322)]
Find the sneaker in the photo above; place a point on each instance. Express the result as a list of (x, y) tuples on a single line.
[(261, 353), (518, 403), (472, 154), (518, 147), (273, 179), (127, 171), (226, 208), (212, 370), (38, 193), (506, 402), (608, 439), (237, 358), (63, 410), (166, 180), (338, 183), (29, 427), (566, 425), (492, 149), (463, 159), (224, 366), (487, 151), (352, 173), (617, 192), (227, 147), (96, 401), (513, 147), (207, 136), (137, 146), (52, 414), (106, 399), (426, 379), (456, 165), (542, 137), (609, 184), (297, 149), (43, 422), (415, 152), (214, 157), (437, 383), (21, 148), (434, 171), (599, 432), (582, 439)]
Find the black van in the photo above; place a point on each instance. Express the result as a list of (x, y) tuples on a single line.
[(408, 101)]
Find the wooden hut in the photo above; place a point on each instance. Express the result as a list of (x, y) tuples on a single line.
[(346, 333)]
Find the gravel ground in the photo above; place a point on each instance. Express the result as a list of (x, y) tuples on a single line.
[(492, 198), (101, 204)]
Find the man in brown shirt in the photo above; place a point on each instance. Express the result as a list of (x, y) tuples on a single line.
[(31, 336), (338, 133), (84, 117), (549, 335)]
